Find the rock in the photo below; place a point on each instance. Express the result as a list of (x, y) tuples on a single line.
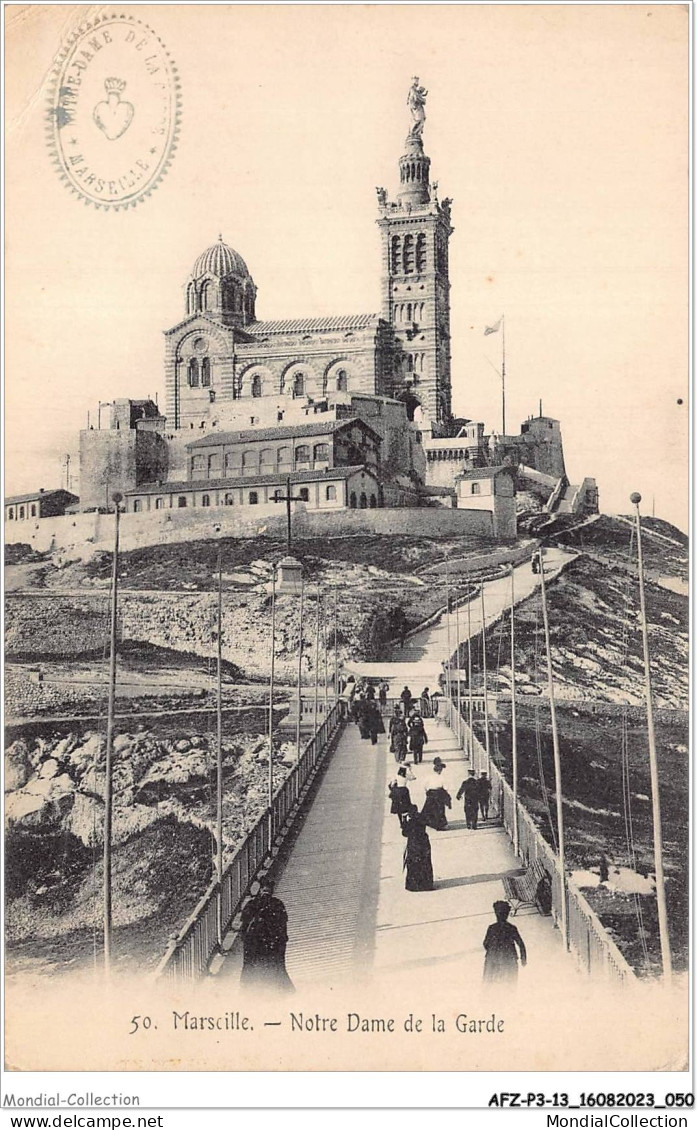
[(18, 767), (183, 745), (49, 768), (85, 755), (85, 820), (24, 808), (121, 742)]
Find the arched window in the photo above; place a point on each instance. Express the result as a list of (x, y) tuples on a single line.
[(205, 372), (268, 460), (250, 463), (299, 384), (256, 385), (304, 494), (277, 494), (373, 502), (421, 253), (330, 494), (396, 254), (476, 489), (352, 500), (253, 498), (198, 467), (229, 498), (408, 311), (207, 296), (321, 453), (192, 372), (32, 510), (213, 466), (205, 500), (364, 501), (284, 457), (11, 513), (302, 453), (181, 501), (137, 506), (159, 503), (191, 303), (232, 463), (342, 381), (408, 255), (21, 511)]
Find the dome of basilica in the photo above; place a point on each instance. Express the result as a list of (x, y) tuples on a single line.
[(220, 260)]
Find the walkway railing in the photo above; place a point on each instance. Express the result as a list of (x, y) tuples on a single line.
[(596, 952), (188, 955)]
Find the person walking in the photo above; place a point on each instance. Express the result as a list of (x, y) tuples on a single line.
[(399, 735), (484, 795), (406, 697), (425, 703), (437, 798), (382, 695), (500, 942), (469, 789), (398, 792), (373, 720), (264, 932), (418, 738), (417, 853)]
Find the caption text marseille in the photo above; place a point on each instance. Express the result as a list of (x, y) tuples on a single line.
[(350, 1022)]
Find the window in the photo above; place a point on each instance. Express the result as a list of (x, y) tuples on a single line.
[(268, 459), (302, 453), (421, 253), (191, 303), (476, 488), (304, 494), (205, 500), (11, 513), (213, 465), (198, 466), (33, 510), (352, 500), (181, 501), (341, 381), (396, 254), (256, 385), (321, 453), (277, 494), (408, 255), (364, 501), (330, 494), (159, 503), (373, 502), (250, 462), (232, 463), (21, 511), (205, 372), (207, 296), (299, 384), (192, 372), (253, 498), (137, 506), (283, 456), (229, 499)]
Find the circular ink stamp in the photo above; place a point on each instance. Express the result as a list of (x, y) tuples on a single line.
[(114, 111)]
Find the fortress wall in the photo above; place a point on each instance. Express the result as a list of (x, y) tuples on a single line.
[(82, 535)]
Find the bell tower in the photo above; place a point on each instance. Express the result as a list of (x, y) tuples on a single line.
[(415, 231)]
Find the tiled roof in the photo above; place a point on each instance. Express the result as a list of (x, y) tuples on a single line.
[(485, 472), (39, 495), (248, 481), (283, 431), (310, 325)]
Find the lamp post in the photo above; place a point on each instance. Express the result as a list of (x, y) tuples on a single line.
[(108, 765)]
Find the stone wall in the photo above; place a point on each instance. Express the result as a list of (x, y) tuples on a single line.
[(79, 536)]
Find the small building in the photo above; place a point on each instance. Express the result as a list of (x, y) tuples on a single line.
[(38, 504), (492, 489), (130, 450), (331, 488)]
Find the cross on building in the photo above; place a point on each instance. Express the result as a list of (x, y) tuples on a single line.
[(288, 498)]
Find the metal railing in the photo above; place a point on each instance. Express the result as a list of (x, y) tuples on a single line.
[(189, 953), (595, 950)]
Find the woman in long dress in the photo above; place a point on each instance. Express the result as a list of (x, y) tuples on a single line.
[(437, 798), (399, 793), (500, 942), (417, 853), (399, 736), (425, 700), (417, 738), (264, 934)]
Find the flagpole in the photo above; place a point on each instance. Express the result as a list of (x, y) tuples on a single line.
[(503, 373)]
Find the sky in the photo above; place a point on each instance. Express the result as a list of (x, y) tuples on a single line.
[(560, 132)]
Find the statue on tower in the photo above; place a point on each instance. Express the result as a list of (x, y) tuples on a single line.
[(416, 101)]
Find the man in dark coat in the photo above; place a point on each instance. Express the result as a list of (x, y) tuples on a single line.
[(469, 789), (484, 795), (264, 933), (406, 697)]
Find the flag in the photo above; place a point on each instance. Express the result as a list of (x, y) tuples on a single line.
[(493, 329)]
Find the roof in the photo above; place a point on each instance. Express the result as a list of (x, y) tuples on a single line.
[(283, 431), (309, 325), (220, 260), (39, 495), (486, 472), (250, 481)]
